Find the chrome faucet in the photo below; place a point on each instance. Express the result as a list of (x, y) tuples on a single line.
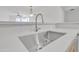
[(36, 22)]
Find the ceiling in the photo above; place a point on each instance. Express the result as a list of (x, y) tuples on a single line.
[(70, 8), (14, 9), (25, 9)]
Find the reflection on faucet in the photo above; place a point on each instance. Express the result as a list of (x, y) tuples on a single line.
[(36, 22)]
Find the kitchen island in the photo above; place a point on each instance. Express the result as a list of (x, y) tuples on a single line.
[(10, 42)]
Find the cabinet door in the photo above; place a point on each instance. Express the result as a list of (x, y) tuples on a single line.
[(72, 47)]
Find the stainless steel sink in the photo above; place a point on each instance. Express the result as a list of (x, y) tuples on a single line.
[(31, 42), (48, 37)]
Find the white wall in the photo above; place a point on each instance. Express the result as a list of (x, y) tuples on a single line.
[(51, 14)]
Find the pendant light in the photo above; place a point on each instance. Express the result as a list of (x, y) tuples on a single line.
[(31, 11)]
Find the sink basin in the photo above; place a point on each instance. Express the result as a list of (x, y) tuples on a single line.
[(48, 37), (31, 42)]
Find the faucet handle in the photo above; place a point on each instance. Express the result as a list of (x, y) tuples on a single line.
[(39, 28)]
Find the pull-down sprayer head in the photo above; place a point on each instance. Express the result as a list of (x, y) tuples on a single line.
[(36, 22)]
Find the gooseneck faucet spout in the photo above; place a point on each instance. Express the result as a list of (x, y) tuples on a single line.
[(36, 22)]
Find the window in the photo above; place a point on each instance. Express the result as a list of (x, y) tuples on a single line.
[(22, 19)]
